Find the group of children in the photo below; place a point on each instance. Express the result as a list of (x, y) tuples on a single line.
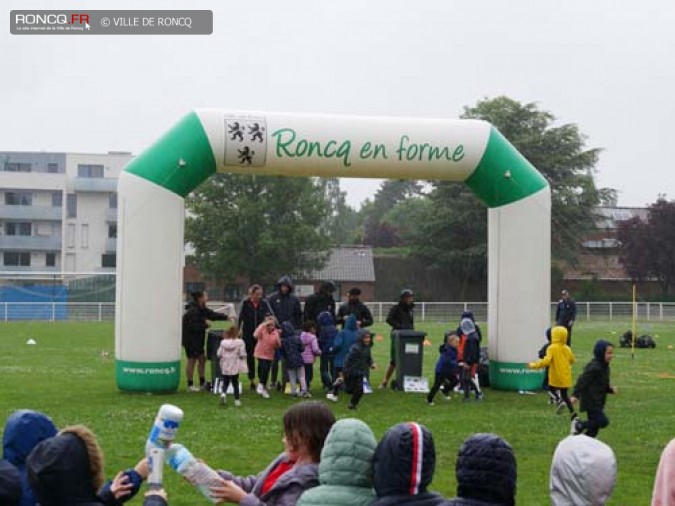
[(591, 387), (349, 350)]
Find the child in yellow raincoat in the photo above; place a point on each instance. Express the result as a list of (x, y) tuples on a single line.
[(559, 359)]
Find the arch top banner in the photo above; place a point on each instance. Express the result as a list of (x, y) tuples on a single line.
[(286, 144)]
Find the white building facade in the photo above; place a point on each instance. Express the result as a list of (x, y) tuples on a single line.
[(58, 211)]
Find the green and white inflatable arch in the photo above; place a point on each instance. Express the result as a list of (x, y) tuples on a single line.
[(151, 216)]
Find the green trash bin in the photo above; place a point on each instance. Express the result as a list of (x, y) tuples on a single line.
[(409, 352)]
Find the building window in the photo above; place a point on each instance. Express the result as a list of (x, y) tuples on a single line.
[(70, 235), (57, 199), (71, 205), (51, 260), (109, 260), (53, 168), (17, 167), (90, 171), (84, 235), (18, 199), (16, 259), (18, 229), (112, 201), (112, 231)]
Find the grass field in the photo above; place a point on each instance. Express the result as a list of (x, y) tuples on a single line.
[(66, 376)]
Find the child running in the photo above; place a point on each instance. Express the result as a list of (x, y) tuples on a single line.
[(446, 368), (356, 366), (232, 355), (470, 357), (310, 351), (268, 342), (559, 359), (592, 388), (292, 354), (553, 397)]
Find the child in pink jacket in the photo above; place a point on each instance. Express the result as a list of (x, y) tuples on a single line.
[(267, 343), (310, 352)]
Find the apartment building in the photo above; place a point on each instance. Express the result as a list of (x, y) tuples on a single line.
[(58, 211)]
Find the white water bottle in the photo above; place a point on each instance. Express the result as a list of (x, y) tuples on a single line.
[(197, 473), (165, 427), (156, 458)]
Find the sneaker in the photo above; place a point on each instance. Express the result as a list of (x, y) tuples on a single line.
[(431, 403), (480, 396), (351, 406), (265, 394), (237, 403), (559, 407), (260, 389), (332, 397), (447, 397), (193, 389), (575, 428), (223, 399), (306, 395)]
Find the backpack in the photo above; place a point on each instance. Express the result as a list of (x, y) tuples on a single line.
[(644, 341)]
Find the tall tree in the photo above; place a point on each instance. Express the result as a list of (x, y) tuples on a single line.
[(648, 247), (258, 226), (455, 231), (344, 222), (378, 233)]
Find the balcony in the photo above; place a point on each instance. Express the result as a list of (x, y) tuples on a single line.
[(32, 180), (90, 184), (43, 213), (111, 245), (30, 243)]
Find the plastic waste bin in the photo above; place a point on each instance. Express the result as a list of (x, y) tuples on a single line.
[(409, 351)]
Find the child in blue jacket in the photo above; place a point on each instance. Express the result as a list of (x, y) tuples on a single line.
[(446, 367)]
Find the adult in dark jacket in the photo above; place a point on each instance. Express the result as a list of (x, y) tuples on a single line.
[(196, 320), (566, 314), (364, 317), (68, 470), (321, 301), (400, 317), (252, 313), (284, 303), (23, 431), (10, 484), (592, 388), (404, 465), (486, 472), (327, 331)]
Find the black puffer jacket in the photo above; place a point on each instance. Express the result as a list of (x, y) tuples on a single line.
[(401, 317), (286, 307), (251, 316), (359, 358), (486, 472), (319, 302), (404, 465), (593, 385), (291, 346), (194, 321), (359, 309)]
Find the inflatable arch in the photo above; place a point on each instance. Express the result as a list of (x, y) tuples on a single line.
[(151, 217)]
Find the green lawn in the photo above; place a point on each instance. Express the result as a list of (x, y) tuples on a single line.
[(66, 376)]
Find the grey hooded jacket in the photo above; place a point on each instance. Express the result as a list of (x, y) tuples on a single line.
[(583, 472)]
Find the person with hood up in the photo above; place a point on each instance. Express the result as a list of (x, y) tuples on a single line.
[(10, 484), (664, 484), (400, 317), (197, 318), (470, 316), (364, 317), (327, 332), (559, 359), (23, 431), (286, 307), (469, 358), (345, 468), (341, 346), (486, 472), (291, 349), (67, 469), (404, 464), (592, 388), (357, 364), (306, 426), (553, 397), (583, 472), (321, 301)]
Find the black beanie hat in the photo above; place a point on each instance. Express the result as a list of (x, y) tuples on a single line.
[(486, 470)]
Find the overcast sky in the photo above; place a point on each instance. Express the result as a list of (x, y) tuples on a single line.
[(606, 65)]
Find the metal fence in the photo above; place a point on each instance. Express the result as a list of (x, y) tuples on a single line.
[(433, 312)]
